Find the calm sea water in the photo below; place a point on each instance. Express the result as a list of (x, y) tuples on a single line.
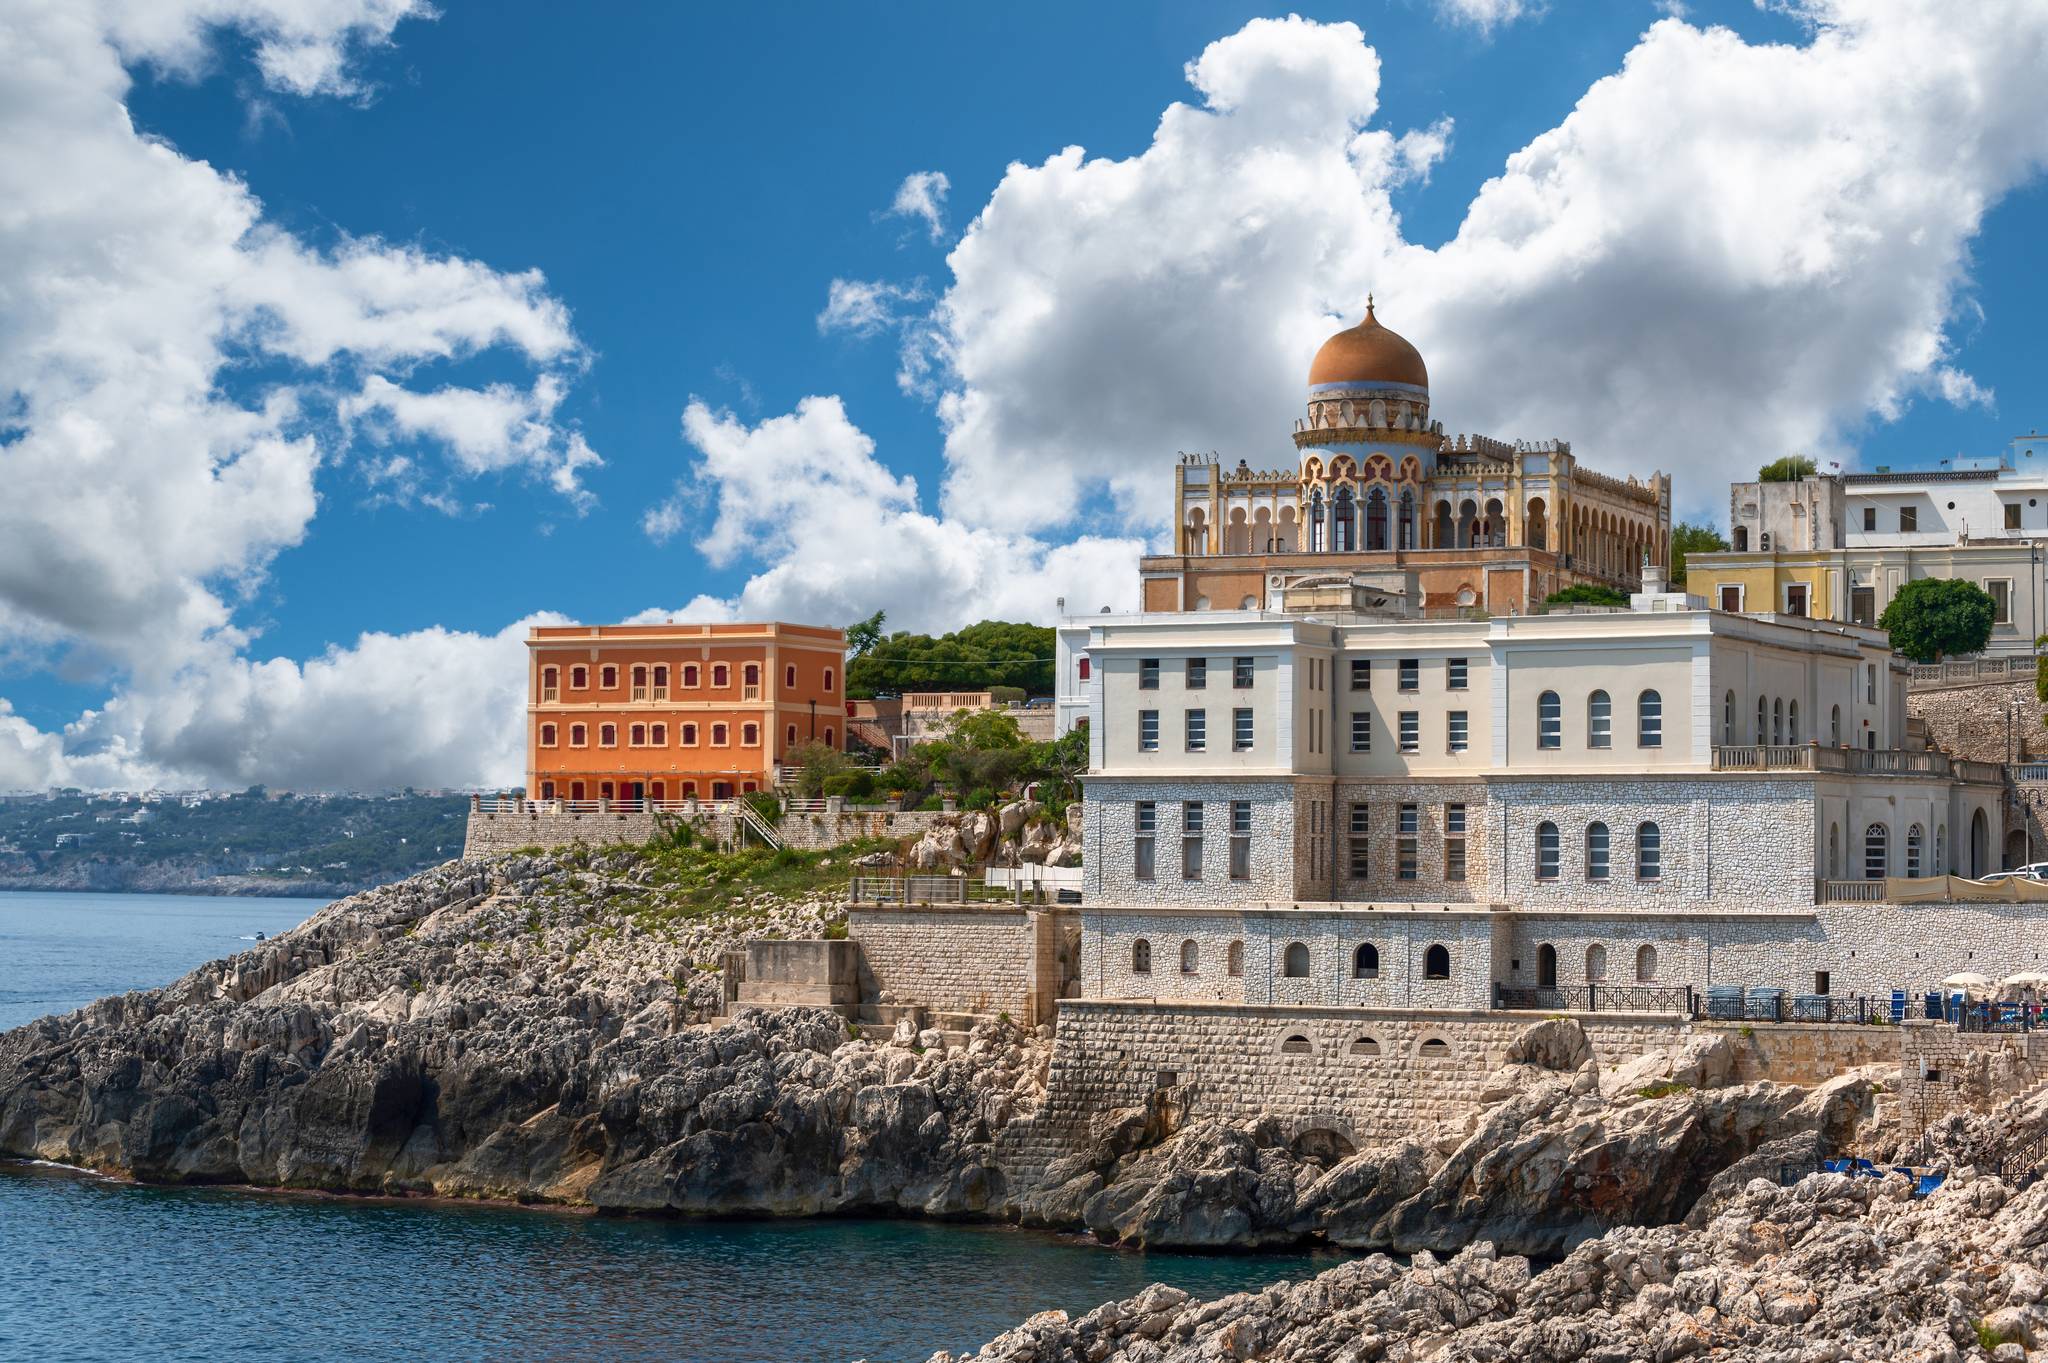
[(93, 1270)]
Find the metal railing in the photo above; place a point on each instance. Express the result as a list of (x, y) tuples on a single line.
[(945, 890), (1848, 892), (1595, 998), (1776, 1006)]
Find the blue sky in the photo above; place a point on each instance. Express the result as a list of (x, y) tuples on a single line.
[(689, 182)]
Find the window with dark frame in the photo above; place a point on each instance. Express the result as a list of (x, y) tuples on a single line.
[(1454, 842), (1241, 673), (1144, 823)]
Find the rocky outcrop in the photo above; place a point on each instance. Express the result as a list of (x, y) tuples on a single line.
[(1550, 1161), (510, 1031), (1830, 1269), (1009, 835), (544, 1029)]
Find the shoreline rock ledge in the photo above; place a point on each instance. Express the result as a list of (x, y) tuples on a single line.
[(523, 1029)]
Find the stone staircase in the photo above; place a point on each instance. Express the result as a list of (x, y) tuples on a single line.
[(955, 1028)]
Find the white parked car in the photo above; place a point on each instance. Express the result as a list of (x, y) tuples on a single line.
[(2033, 870)]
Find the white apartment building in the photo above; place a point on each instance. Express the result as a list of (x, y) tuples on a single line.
[(1463, 801)]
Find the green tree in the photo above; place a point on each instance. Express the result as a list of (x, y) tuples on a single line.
[(1586, 594), (1790, 469), (1932, 618), (992, 653), (1687, 538), (863, 635)]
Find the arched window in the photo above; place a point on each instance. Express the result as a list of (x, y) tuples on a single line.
[(1835, 726), (750, 735), (1876, 852), (1650, 720), (1234, 958), (1778, 721), (1549, 721), (789, 736), (829, 677), (1294, 962), (1913, 841), (607, 735), (1792, 721), (1365, 962), (789, 676), (1344, 520), (1436, 962), (636, 736), (1596, 962), (1596, 851), (550, 682), (1365, 1045), (1190, 958), (690, 675), (657, 734), (579, 678), (1599, 721), (1546, 851), (1297, 1045), (639, 681), (1141, 957), (1646, 965), (1435, 1046), (579, 736), (1728, 720), (1649, 852), (828, 735), (688, 735), (1741, 539), (721, 675), (1763, 720), (608, 677), (547, 735)]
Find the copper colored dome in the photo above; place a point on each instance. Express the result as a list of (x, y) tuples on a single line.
[(1366, 355)]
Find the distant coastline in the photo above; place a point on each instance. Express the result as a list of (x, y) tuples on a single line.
[(147, 879)]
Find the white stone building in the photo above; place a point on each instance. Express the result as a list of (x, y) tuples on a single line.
[(1339, 810)]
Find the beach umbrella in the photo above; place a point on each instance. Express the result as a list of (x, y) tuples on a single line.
[(2027, 979)]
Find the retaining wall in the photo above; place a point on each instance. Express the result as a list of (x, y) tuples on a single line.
[(964, 960)]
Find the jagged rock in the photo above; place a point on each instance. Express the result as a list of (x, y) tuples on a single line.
[(1552, 1044)]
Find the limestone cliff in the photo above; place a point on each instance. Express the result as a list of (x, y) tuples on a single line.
[(526, 1029)]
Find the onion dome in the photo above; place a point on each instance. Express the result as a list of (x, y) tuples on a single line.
[(1368, 356)]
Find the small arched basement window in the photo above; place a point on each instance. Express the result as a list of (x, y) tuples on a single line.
[(1436, 962), (1294, 962), (1365, 962), (1141, 957)]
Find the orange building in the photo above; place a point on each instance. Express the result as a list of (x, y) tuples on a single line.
[(672, 712)]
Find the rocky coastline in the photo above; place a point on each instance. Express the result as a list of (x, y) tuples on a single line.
[(525, 1030)]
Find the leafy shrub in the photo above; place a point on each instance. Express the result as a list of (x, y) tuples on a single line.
[(857, 785)]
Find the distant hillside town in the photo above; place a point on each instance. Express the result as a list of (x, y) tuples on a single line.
[(251, 842)]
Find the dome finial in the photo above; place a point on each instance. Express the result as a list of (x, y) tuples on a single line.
[(1368, 308)]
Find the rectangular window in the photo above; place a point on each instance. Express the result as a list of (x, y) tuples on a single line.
[(1360, 853), (608, 677), (1909, 519), (661, 681), (1795, 598), (2012, 522), (689, 735), (1148, 731), (1240, 839), (1869, 518), (1148, 674), (1241, 729), (1411, 731), (1870, 683), (1454, 842), (2000, 590), (1241, 673), (1863, 605), (547, 735), (1409, 677), (750, 735), (1454, 674), (550, 683), (1407, 841), (1361, 674), (1361, 731), (721, 675), (1197, 730), (658, 736), (719, 737), (579, 736), (1456, 731), (1731, 598), (1198, 673), (607, 735), (636, 736), (1191, 840), (579, 678), (690, 675), (639, 681), (1145, 821)]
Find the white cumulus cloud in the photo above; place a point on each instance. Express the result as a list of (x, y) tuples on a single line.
[(922, 198), (1726, 248)]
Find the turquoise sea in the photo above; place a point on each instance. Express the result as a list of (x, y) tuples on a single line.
[(92, 1269)]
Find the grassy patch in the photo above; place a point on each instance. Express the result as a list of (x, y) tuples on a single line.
[(1989, 1339), (686, 881), (1663, 1088)]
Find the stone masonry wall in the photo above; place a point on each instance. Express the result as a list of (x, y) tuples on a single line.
[(984, 961), (1400, 939), (1109, 835), (1942, 1070), (492, 833), (1370, 1075), (1995, 722), (1383, 801)]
